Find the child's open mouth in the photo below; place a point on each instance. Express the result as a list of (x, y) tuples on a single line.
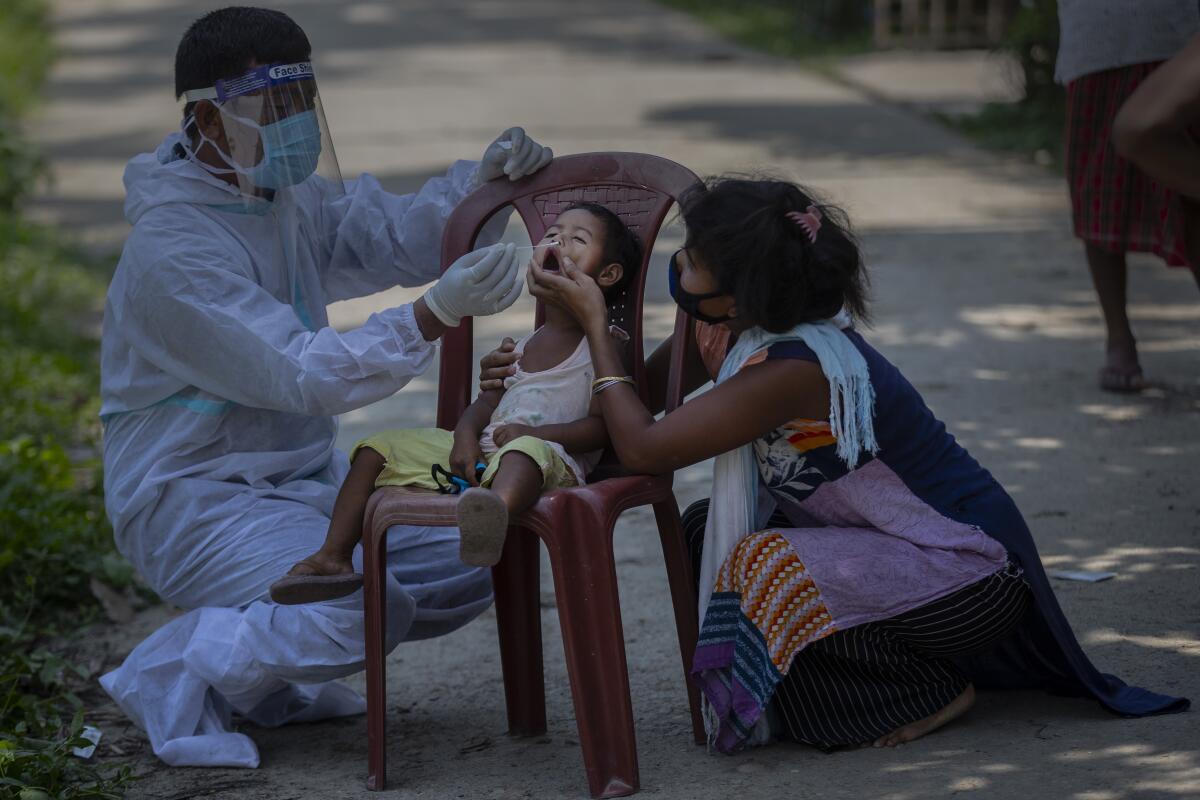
[(550, 262)]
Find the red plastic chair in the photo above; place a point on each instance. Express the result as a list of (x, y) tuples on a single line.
[(575, 524)]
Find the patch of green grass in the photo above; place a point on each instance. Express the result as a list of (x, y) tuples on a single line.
[(54, 537), (42, 721), (787, 29)]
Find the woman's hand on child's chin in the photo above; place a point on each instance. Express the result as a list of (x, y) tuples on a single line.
[(572, 289), (507, 433)]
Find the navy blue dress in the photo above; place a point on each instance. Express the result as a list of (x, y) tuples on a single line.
[(915, 576), (915, 446)]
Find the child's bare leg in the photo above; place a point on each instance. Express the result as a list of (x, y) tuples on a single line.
[(345, 531), (518, 481), (345, 525), (483, 514)]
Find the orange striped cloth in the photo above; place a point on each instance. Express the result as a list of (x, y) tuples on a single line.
[(764, 610), (777, 595)]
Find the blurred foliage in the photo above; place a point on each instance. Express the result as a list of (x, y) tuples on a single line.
[(1033, 39), (1033, 125), (20, 165), (25, 56), (786, 27), (54, 538)]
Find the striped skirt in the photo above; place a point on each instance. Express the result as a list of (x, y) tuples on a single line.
[(858, 684)]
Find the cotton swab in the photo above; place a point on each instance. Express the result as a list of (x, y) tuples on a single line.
[(538, 246)]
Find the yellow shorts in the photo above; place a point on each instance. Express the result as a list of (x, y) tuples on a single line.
[(409, 455)]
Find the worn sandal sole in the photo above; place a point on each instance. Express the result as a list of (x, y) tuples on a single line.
[(294, 590), (1118, 382), (482, 526)]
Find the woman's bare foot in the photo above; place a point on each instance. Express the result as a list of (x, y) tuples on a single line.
[(915, 730), (319, 577)]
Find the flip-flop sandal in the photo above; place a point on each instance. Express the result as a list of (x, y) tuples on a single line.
[(482, 526), (291, 590), (1120, 382)]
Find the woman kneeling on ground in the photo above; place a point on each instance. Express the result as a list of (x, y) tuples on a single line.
[(859, 572)]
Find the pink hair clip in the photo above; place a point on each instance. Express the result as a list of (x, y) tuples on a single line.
[(810, 220)]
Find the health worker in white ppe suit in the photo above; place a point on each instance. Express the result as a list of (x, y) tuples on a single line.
[(221, 378)]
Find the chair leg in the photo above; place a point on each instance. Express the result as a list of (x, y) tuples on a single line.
[(374, 624), (519, 620), (683, 598), (589, 610)]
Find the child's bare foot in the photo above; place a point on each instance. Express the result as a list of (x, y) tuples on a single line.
[(915, 730), (482, 526), (316, 578)]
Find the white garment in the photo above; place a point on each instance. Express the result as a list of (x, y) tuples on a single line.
[(273, 664), (1095, 35), (552, 396), (219, 380)]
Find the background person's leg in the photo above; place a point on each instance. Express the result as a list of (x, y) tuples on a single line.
[(1121, 371)]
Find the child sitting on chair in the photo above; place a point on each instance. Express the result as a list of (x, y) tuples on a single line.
[(541, 432)]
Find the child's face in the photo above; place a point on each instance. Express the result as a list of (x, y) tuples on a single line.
[(581, 239)]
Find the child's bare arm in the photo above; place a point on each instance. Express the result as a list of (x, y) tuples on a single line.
[(580, 436), (477, 415), (465, 453)]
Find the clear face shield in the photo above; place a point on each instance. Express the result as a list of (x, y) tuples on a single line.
[(263, 132)]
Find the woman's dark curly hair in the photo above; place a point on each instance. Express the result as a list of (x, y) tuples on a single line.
[(739, 229)]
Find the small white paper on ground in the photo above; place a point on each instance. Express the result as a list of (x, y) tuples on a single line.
[(92, 735), (1082, 575)]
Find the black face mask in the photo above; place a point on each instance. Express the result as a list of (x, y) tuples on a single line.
[(691, 302)]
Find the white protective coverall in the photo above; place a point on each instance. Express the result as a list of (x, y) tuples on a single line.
[(220, 379)]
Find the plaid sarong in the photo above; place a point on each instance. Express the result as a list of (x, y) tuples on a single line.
[(1114, 204)]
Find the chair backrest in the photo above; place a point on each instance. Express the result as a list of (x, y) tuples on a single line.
[(639, 188)]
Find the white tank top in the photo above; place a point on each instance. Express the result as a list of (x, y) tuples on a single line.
[(552, 396)]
